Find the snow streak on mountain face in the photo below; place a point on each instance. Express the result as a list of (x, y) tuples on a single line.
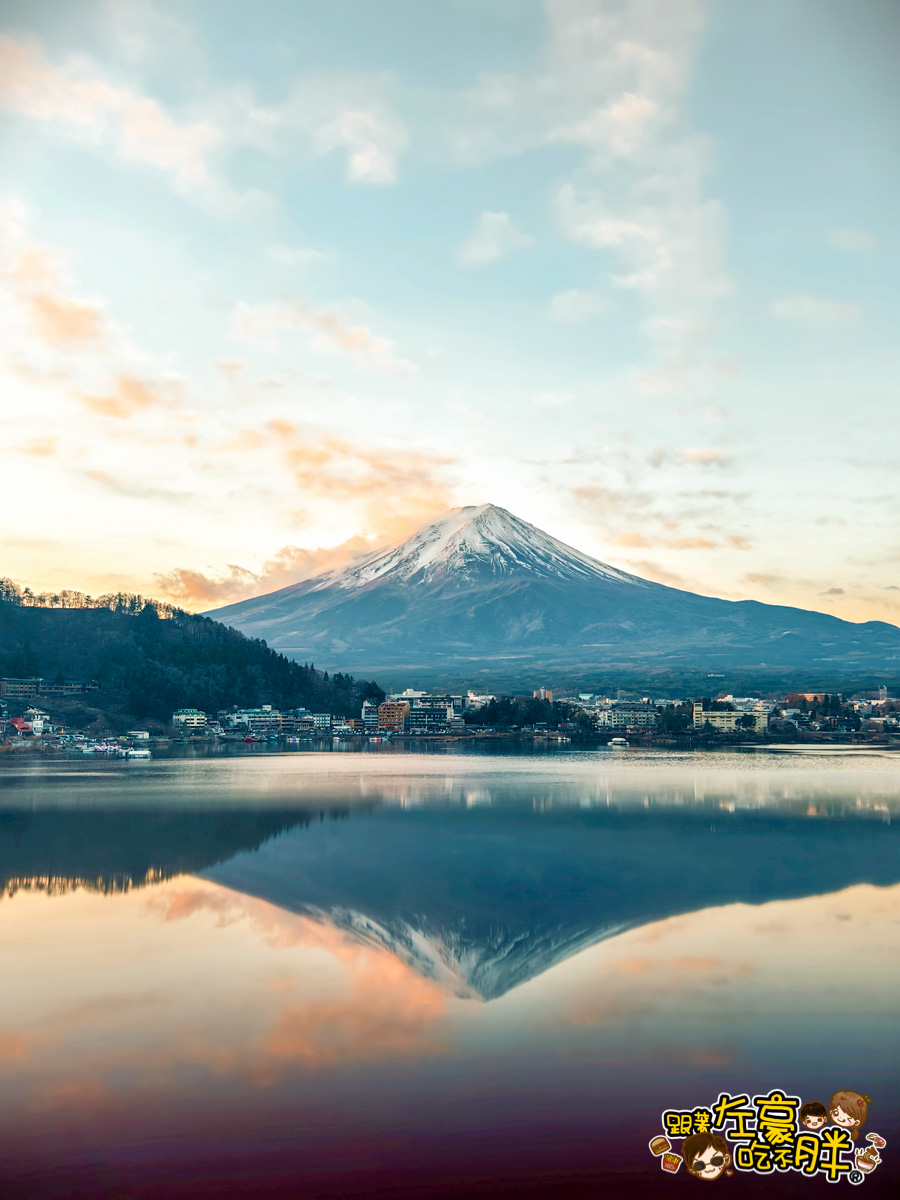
[(470, 542)]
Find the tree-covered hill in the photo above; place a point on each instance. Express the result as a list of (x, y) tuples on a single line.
[(151, 659)]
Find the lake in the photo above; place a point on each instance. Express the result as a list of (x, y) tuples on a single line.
[(392, 975)]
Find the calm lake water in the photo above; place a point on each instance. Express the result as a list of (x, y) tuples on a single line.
[(449, 974)]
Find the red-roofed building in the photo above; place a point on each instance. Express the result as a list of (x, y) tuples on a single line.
[(21, 726)]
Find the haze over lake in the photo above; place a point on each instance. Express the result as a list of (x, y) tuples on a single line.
[(392, 974)]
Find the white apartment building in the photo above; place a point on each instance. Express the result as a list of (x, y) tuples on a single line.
[(728, 722), (189, 718)]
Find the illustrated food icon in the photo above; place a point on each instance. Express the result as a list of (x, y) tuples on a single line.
[(868, 1160), (660, 1145), (670, 1162)]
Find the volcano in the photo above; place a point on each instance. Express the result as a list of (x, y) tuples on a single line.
[(480, 594)]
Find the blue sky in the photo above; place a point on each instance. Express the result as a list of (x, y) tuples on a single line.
[(279, 282)]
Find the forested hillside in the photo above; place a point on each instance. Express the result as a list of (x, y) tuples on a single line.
[(150, 659)]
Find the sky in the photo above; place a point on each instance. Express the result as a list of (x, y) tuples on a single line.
[(280, 282)]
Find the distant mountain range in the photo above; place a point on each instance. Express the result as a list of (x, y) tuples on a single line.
[(481, 595)]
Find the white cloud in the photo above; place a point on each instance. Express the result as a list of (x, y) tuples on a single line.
[(327, 114), (574, 305), (851, 240), (494, 237), (78, 101), (612, 82), (813, 310), (321, 114), (329, 332)]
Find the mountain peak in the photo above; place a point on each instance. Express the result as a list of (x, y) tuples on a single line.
[(469, 542)]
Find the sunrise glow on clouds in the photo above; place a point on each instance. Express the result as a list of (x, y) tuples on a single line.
[(625, 269)]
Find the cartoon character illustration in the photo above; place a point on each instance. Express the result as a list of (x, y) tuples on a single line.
[(706, 1155), (813, 1115), (849, 1110), (868, 1159)]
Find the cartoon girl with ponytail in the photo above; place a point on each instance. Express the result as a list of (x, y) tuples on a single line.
[(849, 1110)]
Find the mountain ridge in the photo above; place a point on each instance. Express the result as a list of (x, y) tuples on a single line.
[(479, 589)]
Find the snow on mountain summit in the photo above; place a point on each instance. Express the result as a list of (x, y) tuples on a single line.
[(475, 540)]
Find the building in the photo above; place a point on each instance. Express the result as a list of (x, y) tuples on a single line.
[(542, 694), (26, 689), (19, 727), (730, 722), (321, 721), (369, 715), (38, 720), (624, 715), (259, 721), (430, 718), (20, 689), (138, 735), (189, 718), (393, 715)]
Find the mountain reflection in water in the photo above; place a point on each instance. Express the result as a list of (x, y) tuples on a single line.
[(245, 984)]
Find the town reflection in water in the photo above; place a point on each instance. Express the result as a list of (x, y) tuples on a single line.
[(450, 977)]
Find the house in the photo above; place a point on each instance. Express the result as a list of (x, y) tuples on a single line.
[(19, 727), (38, 720)]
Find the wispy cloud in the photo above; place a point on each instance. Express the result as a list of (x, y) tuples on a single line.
[(62, 321), (813, 310), (851, 240), (701, 456), (291, 564), (575, 306), (612, 83), (494, 237), (328, 329), (79, 101), (346, 114), (128, 397)]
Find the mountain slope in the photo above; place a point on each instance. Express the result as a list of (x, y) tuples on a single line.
[(149, 664), (480, 589), (492, 898)]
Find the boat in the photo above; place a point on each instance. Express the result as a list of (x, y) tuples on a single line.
[(618, 743), (138, 754)]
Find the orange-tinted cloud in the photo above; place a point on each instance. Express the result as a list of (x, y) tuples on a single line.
[(704, 456), (63, 322), (290, 565), (393, 490), (384, 1009), (330, 331), (40, 447), (129, 397), (80, 101)]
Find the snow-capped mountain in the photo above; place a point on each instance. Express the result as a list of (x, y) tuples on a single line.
[(482, 902), (481, 594), (467, 543)]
